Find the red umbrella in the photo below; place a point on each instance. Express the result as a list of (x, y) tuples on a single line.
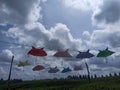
[(38, 68), (37, 52)]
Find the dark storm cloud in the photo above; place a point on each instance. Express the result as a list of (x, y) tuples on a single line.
[(54, 44), (114, 39), (110, 12), (44, 38), (16, 11)]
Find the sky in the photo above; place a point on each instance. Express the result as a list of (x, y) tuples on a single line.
[(58, 25)]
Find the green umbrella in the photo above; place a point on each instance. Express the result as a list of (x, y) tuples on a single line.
[(105, 53), (24, 63)]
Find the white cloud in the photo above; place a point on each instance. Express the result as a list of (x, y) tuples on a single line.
[(86, 35), (58, 37), (106, 37), (6, 55), (82, 5), (62, 33)]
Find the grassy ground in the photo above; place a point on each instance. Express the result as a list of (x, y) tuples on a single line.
[(111, 83)]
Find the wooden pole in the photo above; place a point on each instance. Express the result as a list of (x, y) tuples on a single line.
[(88, 72), (9, 77)]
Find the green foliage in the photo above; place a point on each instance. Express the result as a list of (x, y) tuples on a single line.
[(104, 83)]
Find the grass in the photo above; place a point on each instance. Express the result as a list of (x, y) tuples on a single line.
[(109, 83)]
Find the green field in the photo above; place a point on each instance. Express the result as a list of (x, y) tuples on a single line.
[(109, 83)]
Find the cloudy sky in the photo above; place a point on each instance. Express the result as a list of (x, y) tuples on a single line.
[(58, 24)]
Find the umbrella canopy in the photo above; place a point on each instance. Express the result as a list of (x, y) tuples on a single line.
[(22, 64), (66, 70), (77, 68), (37, 52), (53, 70), (105, 53), (38, 68), (86, 54), (62, 54)]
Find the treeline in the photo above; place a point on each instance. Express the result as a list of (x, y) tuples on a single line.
[(12, 81), (93, 76), (2, 81)]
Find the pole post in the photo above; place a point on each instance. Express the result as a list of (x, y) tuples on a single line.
[(88, 72), (9, 77)]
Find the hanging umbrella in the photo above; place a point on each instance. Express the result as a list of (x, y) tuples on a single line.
[(38, 68), (62, 53), (37, 52), (65, 70), (77, 68), (53, 70), (83, 55), (105, 53), (24, 63)]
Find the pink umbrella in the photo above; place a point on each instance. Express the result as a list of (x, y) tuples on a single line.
[(38, 68), (62, 54)]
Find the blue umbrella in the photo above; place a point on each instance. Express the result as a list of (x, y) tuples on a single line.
[(53, 70), (66, 70), (83, 55)]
